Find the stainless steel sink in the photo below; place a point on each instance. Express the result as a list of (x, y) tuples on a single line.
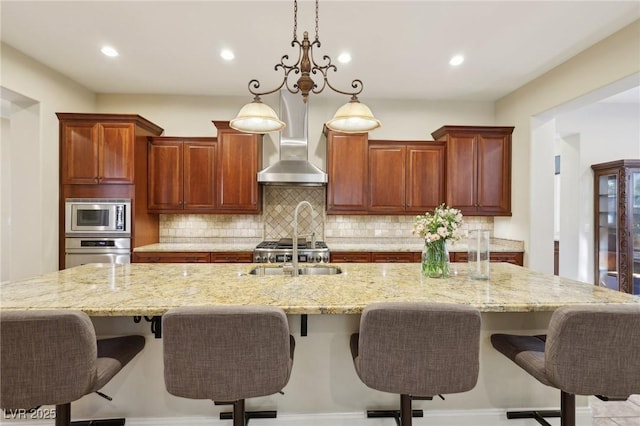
[(287, 270)]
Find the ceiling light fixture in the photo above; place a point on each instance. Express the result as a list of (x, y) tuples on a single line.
[(227, 54), (353, 117), (109, 51), (456, 60)]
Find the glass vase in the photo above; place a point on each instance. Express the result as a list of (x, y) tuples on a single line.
[(435, 259)]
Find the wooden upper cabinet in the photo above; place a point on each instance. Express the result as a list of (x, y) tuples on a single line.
[(165, 174), (240, 159), (425, 180), (199, 175), (100, 148), (97, 153), (405, 177), (387, 173), (478, 168), (347, 170), (182, 174)]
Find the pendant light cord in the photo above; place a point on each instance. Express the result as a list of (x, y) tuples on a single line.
[(295, 21)]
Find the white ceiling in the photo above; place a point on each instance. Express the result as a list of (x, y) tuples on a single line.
[(400, 49)]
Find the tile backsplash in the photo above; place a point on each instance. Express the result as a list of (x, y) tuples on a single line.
[(276, 221)]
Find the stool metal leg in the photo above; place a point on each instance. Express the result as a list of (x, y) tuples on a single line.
[(405, 410), (568, 409), (238, 413), (63, 414)]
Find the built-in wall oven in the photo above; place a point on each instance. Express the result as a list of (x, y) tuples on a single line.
[(97, 230), (83, 250)]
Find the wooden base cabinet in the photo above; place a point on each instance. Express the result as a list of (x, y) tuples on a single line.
[(478, 169), (193, 257), (515, 257), (617, 225)]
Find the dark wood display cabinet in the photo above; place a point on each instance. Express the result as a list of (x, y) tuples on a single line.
[(617, 225), (478, 170)]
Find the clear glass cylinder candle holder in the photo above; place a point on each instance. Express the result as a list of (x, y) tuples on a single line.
[(479, 254)]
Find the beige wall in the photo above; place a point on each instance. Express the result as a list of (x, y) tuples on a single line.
[(32, 219), (605, 63)]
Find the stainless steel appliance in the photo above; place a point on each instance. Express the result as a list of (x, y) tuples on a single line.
[(281, 251), (97, 216), (79, 251), (97, 230)]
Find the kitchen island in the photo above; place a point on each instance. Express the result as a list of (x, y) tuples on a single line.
[(323, 380)]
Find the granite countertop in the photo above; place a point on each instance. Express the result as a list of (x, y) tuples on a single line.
[(151, 289)]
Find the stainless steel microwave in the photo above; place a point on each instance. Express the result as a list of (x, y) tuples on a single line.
[(94, 216)]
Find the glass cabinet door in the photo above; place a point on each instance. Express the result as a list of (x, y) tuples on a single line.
[(635, 230), (608, 231)]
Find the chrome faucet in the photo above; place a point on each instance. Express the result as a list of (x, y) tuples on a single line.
[(294, 256)]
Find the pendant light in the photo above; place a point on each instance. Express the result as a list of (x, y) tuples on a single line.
[(257, 117)]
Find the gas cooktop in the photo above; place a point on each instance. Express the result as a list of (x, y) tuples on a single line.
[(281, 251)]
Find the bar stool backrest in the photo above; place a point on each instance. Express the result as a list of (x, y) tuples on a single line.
[(226, 353), (421, 349), (594, 350), (46, 357)]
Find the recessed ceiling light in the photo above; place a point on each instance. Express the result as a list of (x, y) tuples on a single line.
[(456, 60), (344, 58), (109, 51), (227, 54)]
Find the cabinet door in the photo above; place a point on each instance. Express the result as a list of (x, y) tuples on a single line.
[(516, 258), (347, 169), (239, 159), (79, 152), (392, 257), (351, 257), (425, 177), (200, 180), (171, 257), (165, 175), (461, 172), (115, 155), (386, 178), (493, 174), (232, 257)]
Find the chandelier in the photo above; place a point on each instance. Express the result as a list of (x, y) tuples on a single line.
[(257, 117)]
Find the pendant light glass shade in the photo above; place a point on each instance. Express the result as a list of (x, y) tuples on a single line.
[(257, 117), (353, 117)]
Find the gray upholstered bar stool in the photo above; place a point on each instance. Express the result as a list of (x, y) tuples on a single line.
[(51, 357), (588, 350), (417, 350), (227, 354)]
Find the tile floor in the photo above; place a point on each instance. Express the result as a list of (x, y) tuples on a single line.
[(614, 413)]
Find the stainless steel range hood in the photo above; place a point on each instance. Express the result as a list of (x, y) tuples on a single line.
[(293, 168)]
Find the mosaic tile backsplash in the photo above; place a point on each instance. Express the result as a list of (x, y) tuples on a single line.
[(276, 222)]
